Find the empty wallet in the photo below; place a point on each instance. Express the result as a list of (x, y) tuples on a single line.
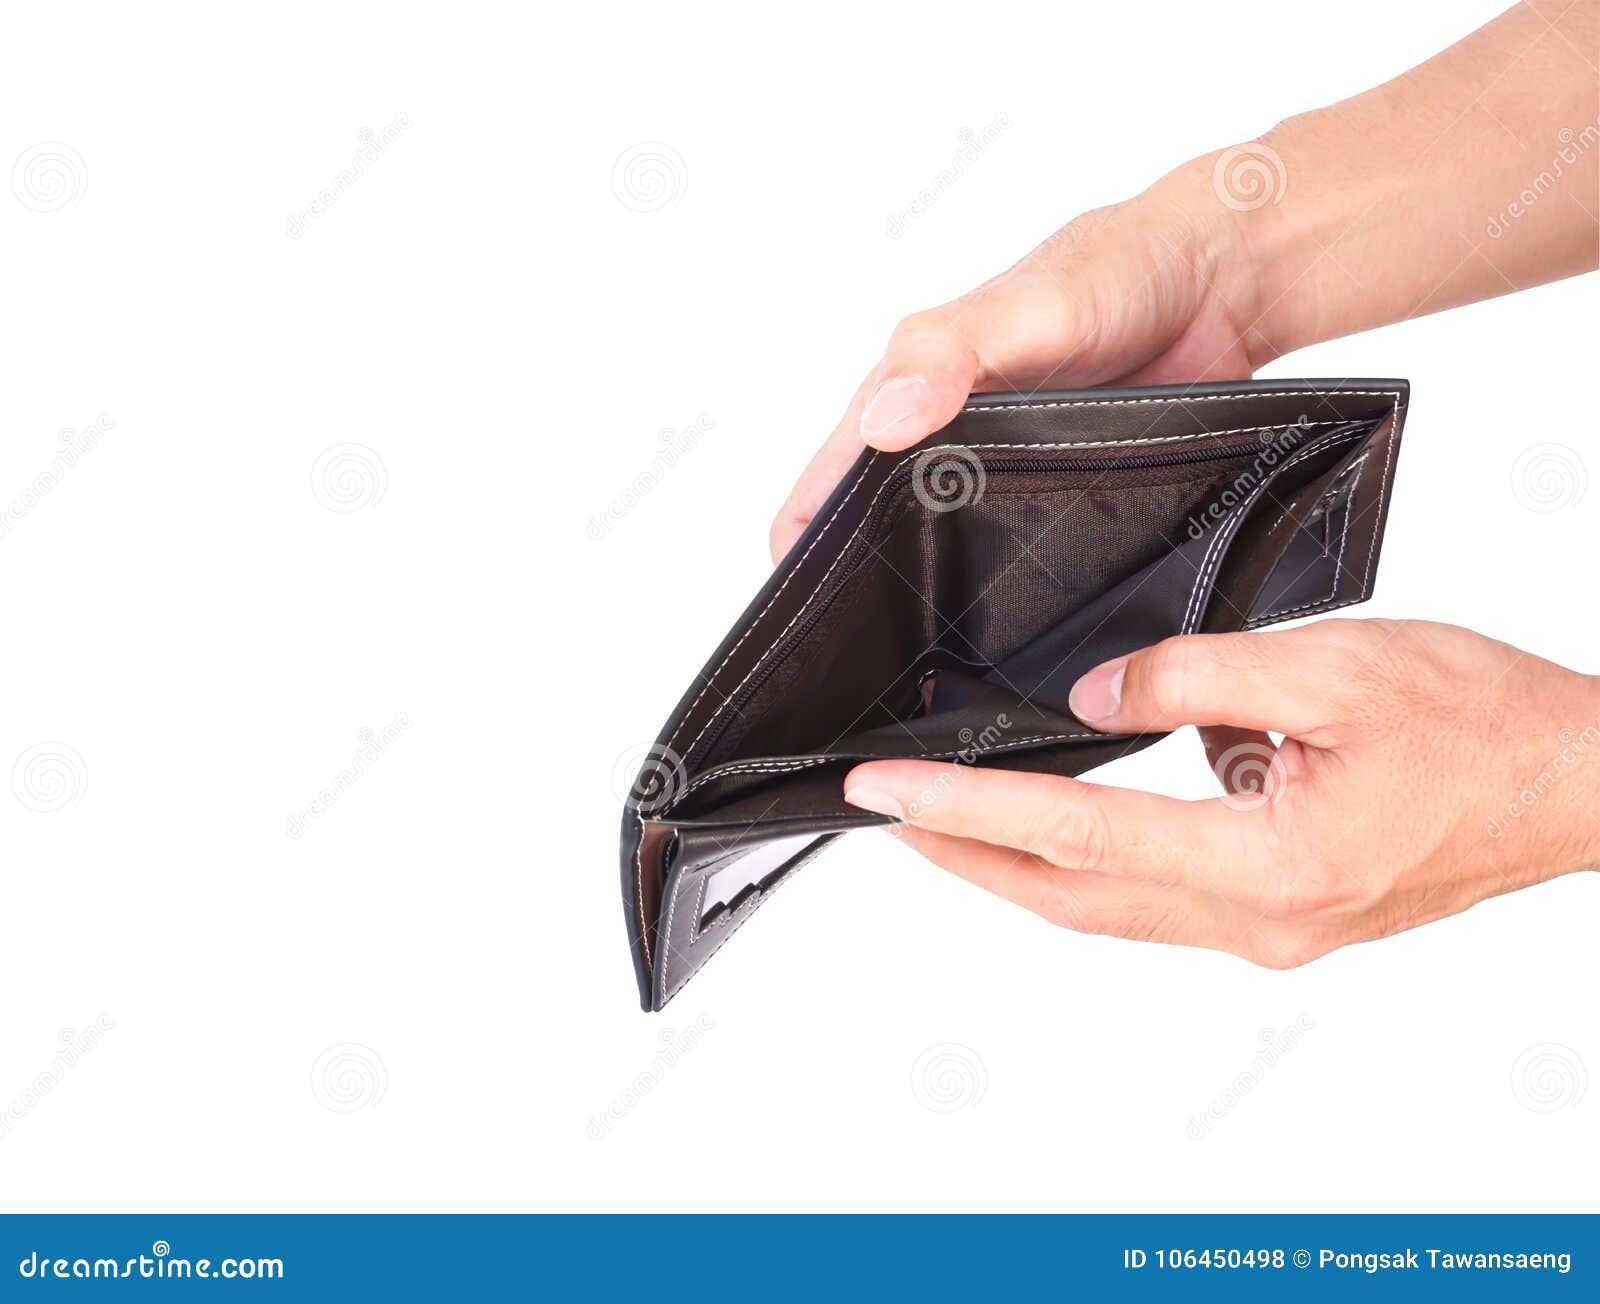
[(945, 598)]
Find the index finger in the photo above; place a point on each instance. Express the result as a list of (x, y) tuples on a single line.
[(1079, 826)]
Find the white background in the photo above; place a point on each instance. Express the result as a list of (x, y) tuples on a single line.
[(505, 321)]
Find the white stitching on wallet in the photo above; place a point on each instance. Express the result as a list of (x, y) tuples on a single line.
[(781, 765), (1377, 521), (1395, 409), (1188, 398), (1359, 466), (1218, 546), (866, 516), (1008, 407), (755, 903), (1383, 484)]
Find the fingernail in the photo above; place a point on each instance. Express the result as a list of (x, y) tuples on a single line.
[(891, 403), (1099, 693), (879, 803)]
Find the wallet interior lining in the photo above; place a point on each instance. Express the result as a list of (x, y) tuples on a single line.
[(914, 640)]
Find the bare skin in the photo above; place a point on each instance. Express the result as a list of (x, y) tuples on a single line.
[(1473, 175), (1408, 787)]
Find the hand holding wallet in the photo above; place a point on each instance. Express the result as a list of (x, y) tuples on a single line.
[(945, 599)]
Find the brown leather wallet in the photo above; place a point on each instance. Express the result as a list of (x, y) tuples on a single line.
[(945, 599)]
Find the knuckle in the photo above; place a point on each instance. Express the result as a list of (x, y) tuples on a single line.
[(1283, 949), (915, 326), (1065, 906), (1166, 668), (1077, 836)]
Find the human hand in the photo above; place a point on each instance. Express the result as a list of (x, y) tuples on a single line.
[(1151, 291), (1365, 212), (1423, 768)]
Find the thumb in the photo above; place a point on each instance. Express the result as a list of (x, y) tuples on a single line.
[(1261, 681), (1020, 331), (926, 374), (1017, 332)]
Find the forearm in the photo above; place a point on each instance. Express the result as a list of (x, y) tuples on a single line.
[(1472, 175)]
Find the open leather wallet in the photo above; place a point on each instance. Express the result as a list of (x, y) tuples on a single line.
[(945, 598)]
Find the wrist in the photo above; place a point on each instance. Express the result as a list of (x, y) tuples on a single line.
[(1551, 825), (1220, 246), (1271, 212), (1585, 743)]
